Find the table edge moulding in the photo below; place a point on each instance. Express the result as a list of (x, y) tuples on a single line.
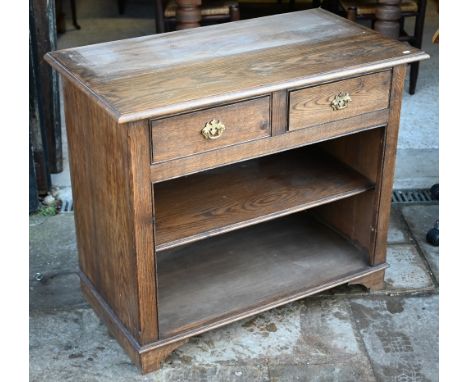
[(222, 171)]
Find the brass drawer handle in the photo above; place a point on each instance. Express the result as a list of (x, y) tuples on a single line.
[(340, 101), (213, 129)]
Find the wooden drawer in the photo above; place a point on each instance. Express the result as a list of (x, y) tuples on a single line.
[(314, 106), (181, 136)]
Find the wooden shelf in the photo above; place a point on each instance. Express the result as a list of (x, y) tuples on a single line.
[(250, 270), (225, 199)]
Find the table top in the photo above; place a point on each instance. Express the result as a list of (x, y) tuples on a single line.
[(169, 73)]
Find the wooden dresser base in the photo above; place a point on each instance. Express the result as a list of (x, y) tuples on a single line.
[(214, 183), (150, 357)]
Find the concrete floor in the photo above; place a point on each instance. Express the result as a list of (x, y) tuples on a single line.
[(345, 334)]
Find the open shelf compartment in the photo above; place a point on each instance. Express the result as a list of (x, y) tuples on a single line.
[(239, 273), (221, 200), (280, 228)]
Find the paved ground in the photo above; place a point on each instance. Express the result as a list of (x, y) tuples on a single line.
[(345, 334)]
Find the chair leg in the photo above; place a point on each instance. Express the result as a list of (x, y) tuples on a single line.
[(159, 16), (121, 5), (417, 43), (234, 12), (414, 71), (351, 13), (330, 5), (316, 3), (419, 25), (73, 11)]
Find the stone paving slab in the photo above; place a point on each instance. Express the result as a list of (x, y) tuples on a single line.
[(400, 335), (420, 220), (307, 339), (407, 271), (53, 254), (398, 232), (52, 244)]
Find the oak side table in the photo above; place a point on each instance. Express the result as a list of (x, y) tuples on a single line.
[(223, 171)]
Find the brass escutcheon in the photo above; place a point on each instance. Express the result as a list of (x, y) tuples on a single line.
[(340, 101), (213, 129)]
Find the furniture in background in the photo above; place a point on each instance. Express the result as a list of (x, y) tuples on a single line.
[(224, 172), (193, 13), (388, 17), (212, 11), (60, 16)]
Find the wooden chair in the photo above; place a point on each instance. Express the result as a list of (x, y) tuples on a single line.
[(212, 11), (365, 9)]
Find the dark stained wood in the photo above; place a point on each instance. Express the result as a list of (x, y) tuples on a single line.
[(147, 359), (356, 217), (106, 216), (218, 201), (141, 197), (188, 14), (180, 136), (279, 112), (197, 68), (393, 27), (312, 106), (293, 139), (374, 281), (387, 172), (44, 38), (116, 328), (361, 151), (37, 134), (133, 102), (152, 360), (203, 282), (388, 16)]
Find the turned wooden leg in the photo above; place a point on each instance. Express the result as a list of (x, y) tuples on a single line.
[(153, 359), (388, 16), (351, 13), (234, 13), (374, 281), (159, 16), (188, 14)]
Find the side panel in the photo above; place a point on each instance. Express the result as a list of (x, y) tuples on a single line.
[(386, 181), (105, 175)]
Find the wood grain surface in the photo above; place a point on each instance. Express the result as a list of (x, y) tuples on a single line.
[(356, 217), (112, 193), (385, 183), (204, 282), (180, 136), (297, 138), (311, 106), (104, 225), (218, 201), (162, 74), (155, 201)]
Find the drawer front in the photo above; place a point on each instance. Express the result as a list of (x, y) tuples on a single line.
[(206, 130), (338, 100)]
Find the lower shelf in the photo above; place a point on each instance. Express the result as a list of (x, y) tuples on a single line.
[(250, 270)]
